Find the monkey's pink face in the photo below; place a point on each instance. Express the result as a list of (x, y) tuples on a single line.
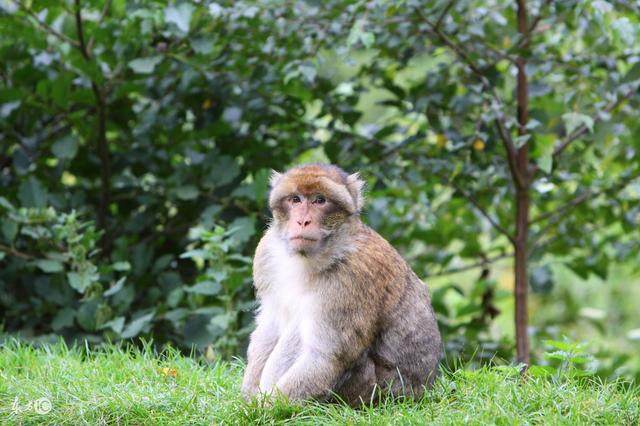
[(307, 227)]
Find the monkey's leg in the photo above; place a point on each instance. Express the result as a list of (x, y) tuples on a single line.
[(407, 374), (358, 383), (311, 376), (407, 353), (261, 344)]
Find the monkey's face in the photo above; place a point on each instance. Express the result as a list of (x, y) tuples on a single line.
[(312, 203), (309, 221)]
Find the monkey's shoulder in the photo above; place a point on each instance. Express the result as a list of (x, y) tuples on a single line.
[(373, 255)]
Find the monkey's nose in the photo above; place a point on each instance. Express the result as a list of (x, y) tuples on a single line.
[(303, 223)]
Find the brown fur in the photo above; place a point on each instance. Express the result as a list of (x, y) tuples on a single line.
[(367, 321)]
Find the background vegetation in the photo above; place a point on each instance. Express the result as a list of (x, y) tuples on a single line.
[(113, 385), (499, 141)]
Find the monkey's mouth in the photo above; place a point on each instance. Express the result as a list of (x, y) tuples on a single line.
[(302, 238)]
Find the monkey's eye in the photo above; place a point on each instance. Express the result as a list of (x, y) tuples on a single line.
[(320, 200), (295, 199)]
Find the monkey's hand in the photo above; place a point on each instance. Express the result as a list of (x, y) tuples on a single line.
[(311, 376), (249, 389)]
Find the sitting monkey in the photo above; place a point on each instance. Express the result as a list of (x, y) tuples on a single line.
[(341, 313)]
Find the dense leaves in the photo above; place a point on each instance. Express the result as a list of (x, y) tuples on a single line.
[(137, 139), (147, 119)]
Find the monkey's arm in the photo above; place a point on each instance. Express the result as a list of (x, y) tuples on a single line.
[(262, 342), (312, 375), (336, 344), (265, 336)]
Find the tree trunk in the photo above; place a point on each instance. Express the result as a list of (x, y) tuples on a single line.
[(522, 198), (521, 284)]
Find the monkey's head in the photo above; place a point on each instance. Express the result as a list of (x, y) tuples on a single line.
[(311, 203)]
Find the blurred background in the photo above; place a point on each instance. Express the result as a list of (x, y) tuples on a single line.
[(137, 137)]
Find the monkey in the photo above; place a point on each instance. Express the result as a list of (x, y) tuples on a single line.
[(341, 314)]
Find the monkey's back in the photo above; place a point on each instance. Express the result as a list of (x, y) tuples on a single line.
[(407, 345)]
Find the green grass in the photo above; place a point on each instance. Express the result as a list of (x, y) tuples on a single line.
[(130, 386)]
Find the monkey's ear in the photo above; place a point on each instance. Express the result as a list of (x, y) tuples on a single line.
[(355, 186), (274, 178)]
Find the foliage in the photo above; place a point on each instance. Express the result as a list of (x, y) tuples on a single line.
[(224, 275), (116, 384), (522, 126), (138, 138), (147, 119)]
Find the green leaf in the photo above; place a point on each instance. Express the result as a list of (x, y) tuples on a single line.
[(634, 334), (203, 45), (573, 120), (222, 321), (541, 371), (179, 15), (196, 332), (121, 266), (215, 10), (7, 108), (367, 39), (187, 192), (358, 34), (633, 74), (136, 326), (209, 288), (81, 281), (5, 203), (543, 152), (224, 170), (32, 193), (174, 297), (176, 315), (145, 65), (87, 314), (60, 90), (115, 288), (64, 318), (9, 229), (65, 148), (116, 324), (196, 254), (592, 313), (49, 266), (243, 229)]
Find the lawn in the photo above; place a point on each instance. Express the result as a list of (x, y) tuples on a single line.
[(113, 385)]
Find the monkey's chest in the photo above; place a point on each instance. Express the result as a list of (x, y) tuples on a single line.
[(292, 306), (294, 309)]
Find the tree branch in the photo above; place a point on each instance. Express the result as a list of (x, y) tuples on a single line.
[(482, 211), (557, 215), (502, 128), (80, 31), (468, 267), (573, 203), (583, 129), (445, 12), (105, 10), (525, 38), (510, 148), (44, 25), (13, 252)]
